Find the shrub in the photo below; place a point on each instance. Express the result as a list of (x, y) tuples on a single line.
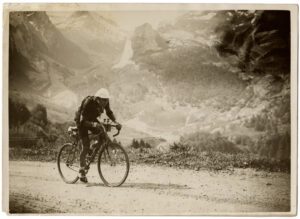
[(274, 146), (203, 141), (262, 122), (18, 113), (179, 147), (139, 144), (39, 113), (210, 160), (202, 150), (244, 140)]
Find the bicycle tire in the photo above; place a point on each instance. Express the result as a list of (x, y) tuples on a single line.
[(101, 153), (59, 165)]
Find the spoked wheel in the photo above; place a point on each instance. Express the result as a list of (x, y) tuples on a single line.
[(113, 165), (68, 163)]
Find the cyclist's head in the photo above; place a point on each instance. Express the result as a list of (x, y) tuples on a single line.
[(102, 93), (103, 96)]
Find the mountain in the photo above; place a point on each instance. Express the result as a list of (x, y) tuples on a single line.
[(98, 36), (41, 59), (181, 78), (146, 39), (48, 66), (190, 69), (33, 32), (202, 90), (101, 37)]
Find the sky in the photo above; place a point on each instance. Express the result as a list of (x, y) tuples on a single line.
[(131, 19), (128, 20)]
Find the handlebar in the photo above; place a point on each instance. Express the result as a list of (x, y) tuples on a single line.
[(117, 133), (73, 130), (107, 126)]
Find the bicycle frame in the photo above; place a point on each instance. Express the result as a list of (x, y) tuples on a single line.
[(76, 143), (97, 149)]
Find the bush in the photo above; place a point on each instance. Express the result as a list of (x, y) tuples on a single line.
[(262, 122), (274, 146), (18, 113), (244, 140), (36, 138), (39, 114), (139, 144), (179, 147), (215, 152), (210, 160), (203, 141)]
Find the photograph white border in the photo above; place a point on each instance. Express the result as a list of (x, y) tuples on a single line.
[(162, 7)]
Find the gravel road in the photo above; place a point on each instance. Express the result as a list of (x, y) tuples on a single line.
[(35, 187)]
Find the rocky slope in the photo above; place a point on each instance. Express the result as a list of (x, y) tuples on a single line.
[(206, 89), (101, 37), (41, 59), (47, 65)]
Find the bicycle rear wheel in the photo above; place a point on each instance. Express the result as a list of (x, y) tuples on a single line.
[(68, 163), (113, 165)]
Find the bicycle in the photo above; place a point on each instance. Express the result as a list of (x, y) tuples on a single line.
[(112, 158)]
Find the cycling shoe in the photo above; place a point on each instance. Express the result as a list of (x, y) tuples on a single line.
[(83, 179)]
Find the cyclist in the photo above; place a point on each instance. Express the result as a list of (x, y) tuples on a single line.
[(86, 119)]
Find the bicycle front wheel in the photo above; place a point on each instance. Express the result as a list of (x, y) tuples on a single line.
[(68, 163), (113, 165)]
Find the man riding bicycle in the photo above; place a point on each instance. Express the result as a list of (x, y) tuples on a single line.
[(86, 120)]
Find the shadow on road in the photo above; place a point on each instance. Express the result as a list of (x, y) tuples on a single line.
[(145, 186)]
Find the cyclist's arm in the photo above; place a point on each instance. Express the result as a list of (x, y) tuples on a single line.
[(77, 116), (84, 104), (110, 113), (81, 109)]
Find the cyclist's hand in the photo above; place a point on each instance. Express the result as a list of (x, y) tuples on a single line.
[(118, 126), (96, 125)]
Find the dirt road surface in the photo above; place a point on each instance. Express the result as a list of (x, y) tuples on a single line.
[(35, 187)]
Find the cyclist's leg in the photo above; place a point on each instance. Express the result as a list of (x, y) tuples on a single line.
[(101, 134), (83, 133), (85, 149)]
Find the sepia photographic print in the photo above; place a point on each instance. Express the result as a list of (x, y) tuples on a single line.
[(150, 109)]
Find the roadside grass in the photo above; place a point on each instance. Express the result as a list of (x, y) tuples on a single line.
[(208, 160), (30, 154)]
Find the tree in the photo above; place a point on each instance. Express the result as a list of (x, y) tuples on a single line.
[(147, 145), (284, 150), (40, 114), (142, 144), (135, 144), (260, 40), (18, 113)]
